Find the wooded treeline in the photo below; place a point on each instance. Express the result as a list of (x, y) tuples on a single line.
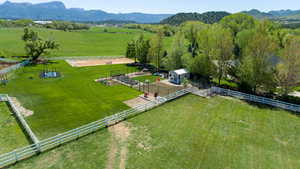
[(257, 55)]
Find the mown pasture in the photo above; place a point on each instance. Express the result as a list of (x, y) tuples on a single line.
[(191, 132), (93, 42), (74, 99)]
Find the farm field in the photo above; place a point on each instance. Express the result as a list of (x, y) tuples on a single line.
[(11, 135), (190, 132), (93, 42), (64, 103)]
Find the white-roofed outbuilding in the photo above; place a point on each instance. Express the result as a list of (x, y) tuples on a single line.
[(178, 76)]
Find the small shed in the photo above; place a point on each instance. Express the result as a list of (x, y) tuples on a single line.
[(178, 76)]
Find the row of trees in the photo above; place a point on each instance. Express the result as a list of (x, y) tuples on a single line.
[(147, 51), (257, 55), (59, 25), (66, 26)]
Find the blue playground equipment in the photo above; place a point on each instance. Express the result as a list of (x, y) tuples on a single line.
[(50, 73)]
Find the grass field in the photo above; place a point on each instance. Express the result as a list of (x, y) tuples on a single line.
[(11, 135), (70, 101), (92, 42), (150, 78), (192, 132), (297, 89), (87, 153)]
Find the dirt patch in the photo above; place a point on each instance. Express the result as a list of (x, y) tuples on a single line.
[(5, 65), (97, 62), (137, 101), (120, 133), (25, 112)]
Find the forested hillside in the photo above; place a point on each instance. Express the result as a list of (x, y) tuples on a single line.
[(208, 18)]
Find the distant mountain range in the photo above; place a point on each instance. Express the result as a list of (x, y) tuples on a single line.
[(207, 17), (283, 15), (57, 11)]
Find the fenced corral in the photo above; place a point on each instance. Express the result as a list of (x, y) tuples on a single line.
[(161, 89), (257, 99), (50, 143), (126, 80)]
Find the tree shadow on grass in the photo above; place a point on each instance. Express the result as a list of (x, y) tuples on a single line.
[(269, 107)]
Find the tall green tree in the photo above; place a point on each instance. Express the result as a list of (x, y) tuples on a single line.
[(238, 22), (175, 57), (221, 50), (256, 70), (191, 30), (289, 68), (35, 46), (156, 51), (142, 49), (131, 51), (202, 64)]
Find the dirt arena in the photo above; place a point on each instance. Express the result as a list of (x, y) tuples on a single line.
[(97, 62), (5, 65)]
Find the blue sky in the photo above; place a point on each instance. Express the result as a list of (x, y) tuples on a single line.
[(175, 6)]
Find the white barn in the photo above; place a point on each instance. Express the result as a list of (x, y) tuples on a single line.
[(178, 76)]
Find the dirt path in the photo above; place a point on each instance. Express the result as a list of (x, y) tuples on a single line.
[(25, 112), (98, 62), (120, 133)]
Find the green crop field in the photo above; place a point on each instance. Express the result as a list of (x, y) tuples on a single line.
[(70, 101), (11, 135), (93, 42), (190, 132)]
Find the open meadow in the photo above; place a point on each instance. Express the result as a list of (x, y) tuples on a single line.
[(93, 42), (67, 102), (190, 132), (11, 134)]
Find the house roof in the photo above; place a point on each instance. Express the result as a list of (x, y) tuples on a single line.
[(181, 71)]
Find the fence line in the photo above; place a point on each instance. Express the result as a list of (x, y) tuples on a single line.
[(258, 99), (23, 122), (14, 67), (50, 143)]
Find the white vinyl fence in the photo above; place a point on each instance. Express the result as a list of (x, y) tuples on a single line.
[(47, 144), (14, 67), (21, 119), (258, 99)]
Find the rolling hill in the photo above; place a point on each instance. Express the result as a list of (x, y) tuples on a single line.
[(207, 17)]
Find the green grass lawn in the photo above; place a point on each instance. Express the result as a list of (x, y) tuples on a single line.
[(92, 42), (297, 88), (226, 83), (68, 102), (89, 152), (192, 132), (11, 135), (150, 78)]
